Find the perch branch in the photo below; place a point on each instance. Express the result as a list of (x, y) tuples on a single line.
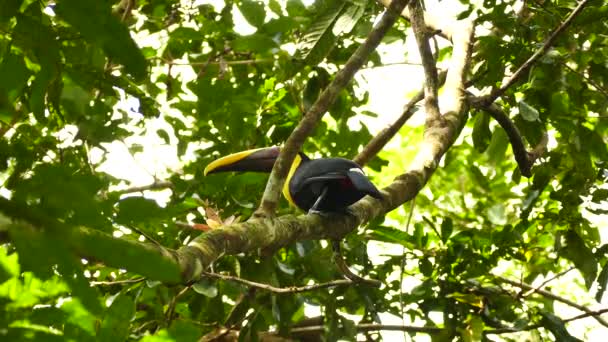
[(315, 113)]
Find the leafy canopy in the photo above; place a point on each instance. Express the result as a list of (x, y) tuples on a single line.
[(68, 68)]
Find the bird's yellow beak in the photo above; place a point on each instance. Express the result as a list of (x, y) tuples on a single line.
[(256, 160)]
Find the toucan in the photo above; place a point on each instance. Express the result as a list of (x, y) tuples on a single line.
[(321, 185)]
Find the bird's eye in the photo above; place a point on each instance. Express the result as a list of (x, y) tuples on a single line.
[(356, 169)]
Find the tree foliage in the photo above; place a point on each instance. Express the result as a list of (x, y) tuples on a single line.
[(78, 77)]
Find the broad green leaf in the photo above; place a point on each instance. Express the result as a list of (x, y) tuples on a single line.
[(78, 316), (106, 30), (447, 227), (9, 266), (348, 19), (138, 210), (557, 327), (602, 282), (115, 324), (426, 267), (14, 75), (122, 253), (392, 235), (498, 146), (583, 258), (9, 9), (318, 40), (481, 132), (205, 287), (528, 112), (253, 11)]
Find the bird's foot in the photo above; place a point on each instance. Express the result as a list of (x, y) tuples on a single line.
[(344, 211), (320, 213)]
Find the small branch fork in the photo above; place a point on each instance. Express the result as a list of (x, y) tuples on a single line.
[(524, 68), (553, 296), (431, 83), (307, 124), (432, 24)]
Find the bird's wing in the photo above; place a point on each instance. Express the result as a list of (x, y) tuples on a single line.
[(362, 183)]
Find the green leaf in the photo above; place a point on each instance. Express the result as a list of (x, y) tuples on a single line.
[(498, 146), (447, 227), (259, 43), (253, 11), (14, 75), (138, 210), (9, 9), (528, 112), (115, 324), (205, 287), (9, 265), (602, 282), (583, 258), (106, 30), (392, 235), (481, 132), (348, 19), (318, 40), (426, 267), (557, 327)]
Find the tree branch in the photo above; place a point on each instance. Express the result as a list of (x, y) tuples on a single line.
[(536, 56), (315, 113), (154, 186), (346, 272), (593, 314), (431, 83), (553, 296), (517, 143), (278, 290), (118, 282), (435, 24), (363, 327), (379, 141)]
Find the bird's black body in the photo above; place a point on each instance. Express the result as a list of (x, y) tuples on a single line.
[(324, 185), (345, 182)]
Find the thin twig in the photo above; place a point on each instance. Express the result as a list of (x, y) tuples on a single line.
[(536, 56), (315, 113), (378, 142), (402, 266), (588, 79), (171, 307), (529, 292), (278, 290), (434, 330), (553, 296), (117, 282), (154, 186), (371, 327), (210, 62), (345, 271), (593, 314)]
